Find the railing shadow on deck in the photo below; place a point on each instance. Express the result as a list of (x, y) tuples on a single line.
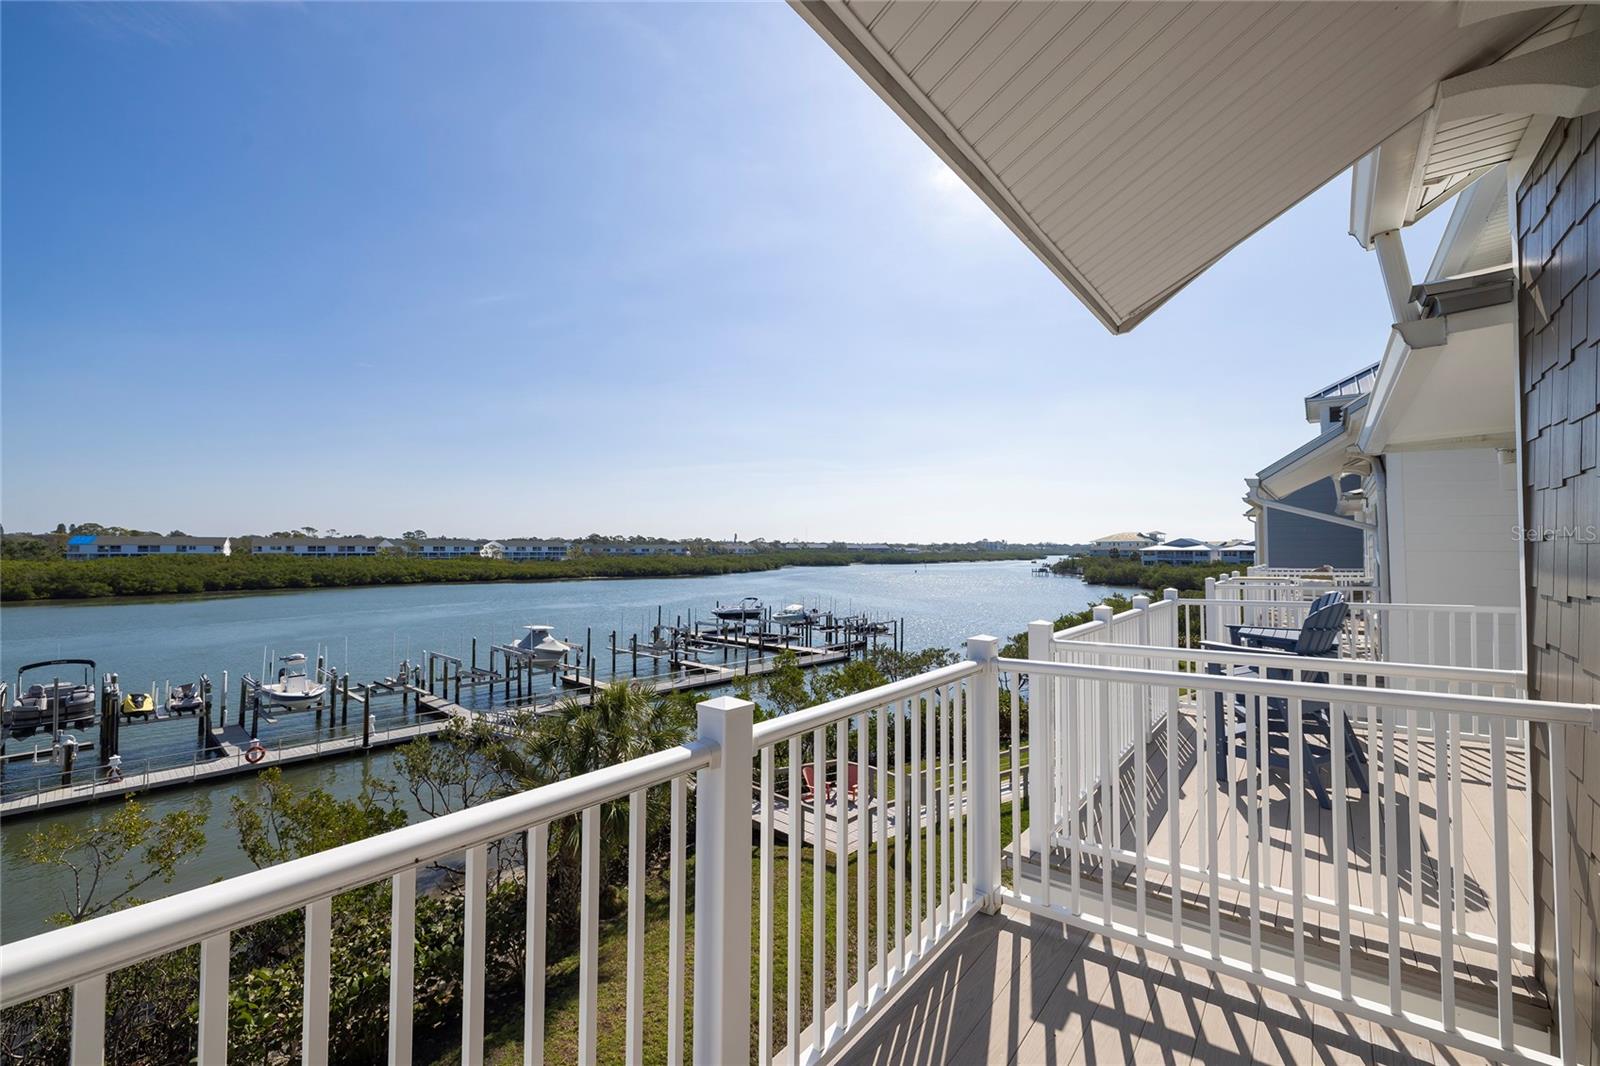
[(1277, 809)]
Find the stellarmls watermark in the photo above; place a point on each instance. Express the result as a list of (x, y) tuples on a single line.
[(1582, 534)]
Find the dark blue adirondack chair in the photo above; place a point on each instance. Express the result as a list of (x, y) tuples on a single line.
[(1318, 637), (1295, 639)]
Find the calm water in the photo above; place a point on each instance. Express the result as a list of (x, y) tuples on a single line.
[(368, 631)]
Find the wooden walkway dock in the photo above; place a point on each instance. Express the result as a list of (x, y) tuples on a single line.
[(229, 763)]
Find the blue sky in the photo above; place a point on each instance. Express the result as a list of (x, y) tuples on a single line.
[(557, 269)]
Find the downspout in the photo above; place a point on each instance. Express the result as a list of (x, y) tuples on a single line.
[(1396, 275), (1380, 517)]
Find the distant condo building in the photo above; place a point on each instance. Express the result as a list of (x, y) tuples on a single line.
[(1187, 551), (526, 551), (648, 547), (321, 547), (111, 546), (447, 548)]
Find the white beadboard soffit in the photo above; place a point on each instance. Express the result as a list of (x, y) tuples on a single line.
[(1130, 146)]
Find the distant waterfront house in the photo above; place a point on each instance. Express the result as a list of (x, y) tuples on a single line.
[(735, 547), (1116, 545), (321, 547), (447, 548), (111, 546), (1242, 552), (1179, 551), (526, 551), (1186, 551)]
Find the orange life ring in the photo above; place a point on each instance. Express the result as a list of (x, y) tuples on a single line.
[(255, 752)]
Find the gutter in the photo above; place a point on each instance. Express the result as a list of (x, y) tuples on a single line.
[(1259, 497)]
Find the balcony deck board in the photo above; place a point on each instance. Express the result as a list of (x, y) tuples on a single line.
[(1197, 789), (1016, 988)]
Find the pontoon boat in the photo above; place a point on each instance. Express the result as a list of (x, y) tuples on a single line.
[(61, 703)]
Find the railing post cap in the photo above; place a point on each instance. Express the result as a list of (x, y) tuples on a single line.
[(1102, 611), (726, 705), (1141, 600), (1169, 594), (983, 648)]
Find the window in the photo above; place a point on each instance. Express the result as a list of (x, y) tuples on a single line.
[(1336, 414)]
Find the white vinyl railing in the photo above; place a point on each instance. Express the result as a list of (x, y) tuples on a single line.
[(1446, 634), (1126, 720), (81, 957), (1336, 575), (899, 791), (1262, 885), (898, 756)]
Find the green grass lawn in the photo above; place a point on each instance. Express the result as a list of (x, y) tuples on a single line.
[(504, 1021)]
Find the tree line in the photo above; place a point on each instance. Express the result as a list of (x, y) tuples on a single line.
[(24, 579), (1130, 573)]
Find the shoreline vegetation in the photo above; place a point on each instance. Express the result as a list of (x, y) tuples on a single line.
[(47, 580), (1130, 573)]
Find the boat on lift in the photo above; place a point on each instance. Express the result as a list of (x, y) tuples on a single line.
[(745, 610), (293, 690), (137, 705), (797, 614), (187, 698), (60, 704), (540, 647)]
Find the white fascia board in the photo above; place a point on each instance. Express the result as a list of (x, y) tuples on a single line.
[(1322, 456), (1381, 181), (1374, 432)]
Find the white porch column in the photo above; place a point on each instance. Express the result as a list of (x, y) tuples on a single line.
[(1041, 745), (722, 887), (983, 773)]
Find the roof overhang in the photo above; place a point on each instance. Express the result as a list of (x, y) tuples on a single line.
[(1326, 456), (1453, 384), (1131, 146), (1497, 113)]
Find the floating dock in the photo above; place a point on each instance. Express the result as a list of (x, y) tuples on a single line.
[(452, 688), (229, 763), (702, 675)]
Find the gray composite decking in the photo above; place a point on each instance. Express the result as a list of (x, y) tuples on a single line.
[(1014, 988)]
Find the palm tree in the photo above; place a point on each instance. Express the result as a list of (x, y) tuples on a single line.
[(621, 721)]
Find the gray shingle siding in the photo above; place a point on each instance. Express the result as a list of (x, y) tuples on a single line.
[(1295, 540), (1558, 234)]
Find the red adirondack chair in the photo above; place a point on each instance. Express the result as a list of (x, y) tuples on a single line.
[(808, 777)]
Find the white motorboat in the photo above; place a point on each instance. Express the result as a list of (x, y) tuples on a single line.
[(293, 690), (797, 614), (540, 647), (744, 610)]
